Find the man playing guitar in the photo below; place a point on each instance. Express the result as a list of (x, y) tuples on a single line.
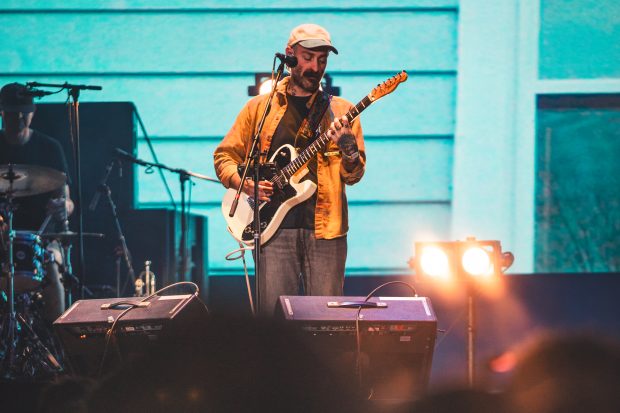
[(310, 243)]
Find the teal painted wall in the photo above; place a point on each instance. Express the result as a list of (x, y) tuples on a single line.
[(509, 53), (579, 39), (451, 153), (187, 65)]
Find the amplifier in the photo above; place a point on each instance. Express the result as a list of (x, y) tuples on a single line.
[(397, 339), (172, 319)]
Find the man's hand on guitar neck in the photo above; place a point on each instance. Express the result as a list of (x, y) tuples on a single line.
[(340, 133), (265, 188)]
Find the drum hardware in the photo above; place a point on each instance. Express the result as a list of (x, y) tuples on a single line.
[(69, 235), (29, 256), (68, 278), (45, 223), (25, 180), (21, 350)]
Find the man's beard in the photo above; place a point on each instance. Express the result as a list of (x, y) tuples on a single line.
[(308, 81)]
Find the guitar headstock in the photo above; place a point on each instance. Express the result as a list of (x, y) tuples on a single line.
[(388, 86)]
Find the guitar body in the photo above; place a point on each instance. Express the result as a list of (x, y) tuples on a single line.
[(289, 189), (273, 212)]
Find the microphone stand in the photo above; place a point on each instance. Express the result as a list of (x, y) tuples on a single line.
[(105, 189), (74, 134), (254, 155), (184, 177)]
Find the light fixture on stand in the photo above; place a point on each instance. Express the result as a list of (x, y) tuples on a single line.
[(471, 263)]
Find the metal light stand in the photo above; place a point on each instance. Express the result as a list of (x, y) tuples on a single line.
[(254, 156), (471, 334)]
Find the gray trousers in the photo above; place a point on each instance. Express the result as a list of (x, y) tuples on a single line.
[(294, 257)]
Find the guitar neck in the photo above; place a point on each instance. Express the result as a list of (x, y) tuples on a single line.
[(322, 140)]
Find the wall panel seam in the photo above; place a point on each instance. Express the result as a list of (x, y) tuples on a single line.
[(181, 74), (382, 202), (196, 139), (224, 10)]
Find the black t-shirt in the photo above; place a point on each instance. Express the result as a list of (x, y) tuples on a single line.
[(40, 150), (302, 215)]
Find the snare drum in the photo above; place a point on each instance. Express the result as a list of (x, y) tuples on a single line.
[(28, 257)]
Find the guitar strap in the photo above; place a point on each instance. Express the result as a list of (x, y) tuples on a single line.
[(309, 128)]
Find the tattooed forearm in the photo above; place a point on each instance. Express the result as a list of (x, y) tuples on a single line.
[(348, 145)]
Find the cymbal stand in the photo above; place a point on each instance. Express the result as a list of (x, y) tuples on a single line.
[(10, 327)]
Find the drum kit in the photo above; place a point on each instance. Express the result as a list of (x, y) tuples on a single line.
[(27, 346)]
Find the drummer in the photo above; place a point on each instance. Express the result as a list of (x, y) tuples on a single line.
[(19, 144)]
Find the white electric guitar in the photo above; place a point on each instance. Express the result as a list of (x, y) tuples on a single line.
[(289, 190)]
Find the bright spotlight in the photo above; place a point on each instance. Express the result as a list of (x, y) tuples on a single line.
[(461, 259), (265, 87), (434, 262), (476, 261)]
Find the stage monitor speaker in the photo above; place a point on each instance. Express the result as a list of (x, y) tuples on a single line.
[(397, 340), (163, 320)]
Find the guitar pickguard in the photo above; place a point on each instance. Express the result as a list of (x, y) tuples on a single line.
[(273, 212)]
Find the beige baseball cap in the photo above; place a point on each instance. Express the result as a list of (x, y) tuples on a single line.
[(311, 36)]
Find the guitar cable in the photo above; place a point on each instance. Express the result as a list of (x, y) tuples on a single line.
[(231, 257)]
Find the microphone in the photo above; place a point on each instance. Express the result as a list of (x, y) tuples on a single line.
[(121, 154), (290, 61), (101, 187), (36, 93)]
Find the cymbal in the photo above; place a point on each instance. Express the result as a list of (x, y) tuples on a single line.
[(29, 180), (70, 234)]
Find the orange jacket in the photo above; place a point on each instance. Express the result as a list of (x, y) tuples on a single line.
[(331, 215)]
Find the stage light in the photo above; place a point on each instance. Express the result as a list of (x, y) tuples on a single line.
[(260, 79), (263, 83), (434, 262), (265, 87), (476, 264), (476, 261), (470, 259)]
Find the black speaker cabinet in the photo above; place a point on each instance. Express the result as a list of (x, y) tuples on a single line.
[(397, 339), (103, 127), (165, 320), (155, 234)]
